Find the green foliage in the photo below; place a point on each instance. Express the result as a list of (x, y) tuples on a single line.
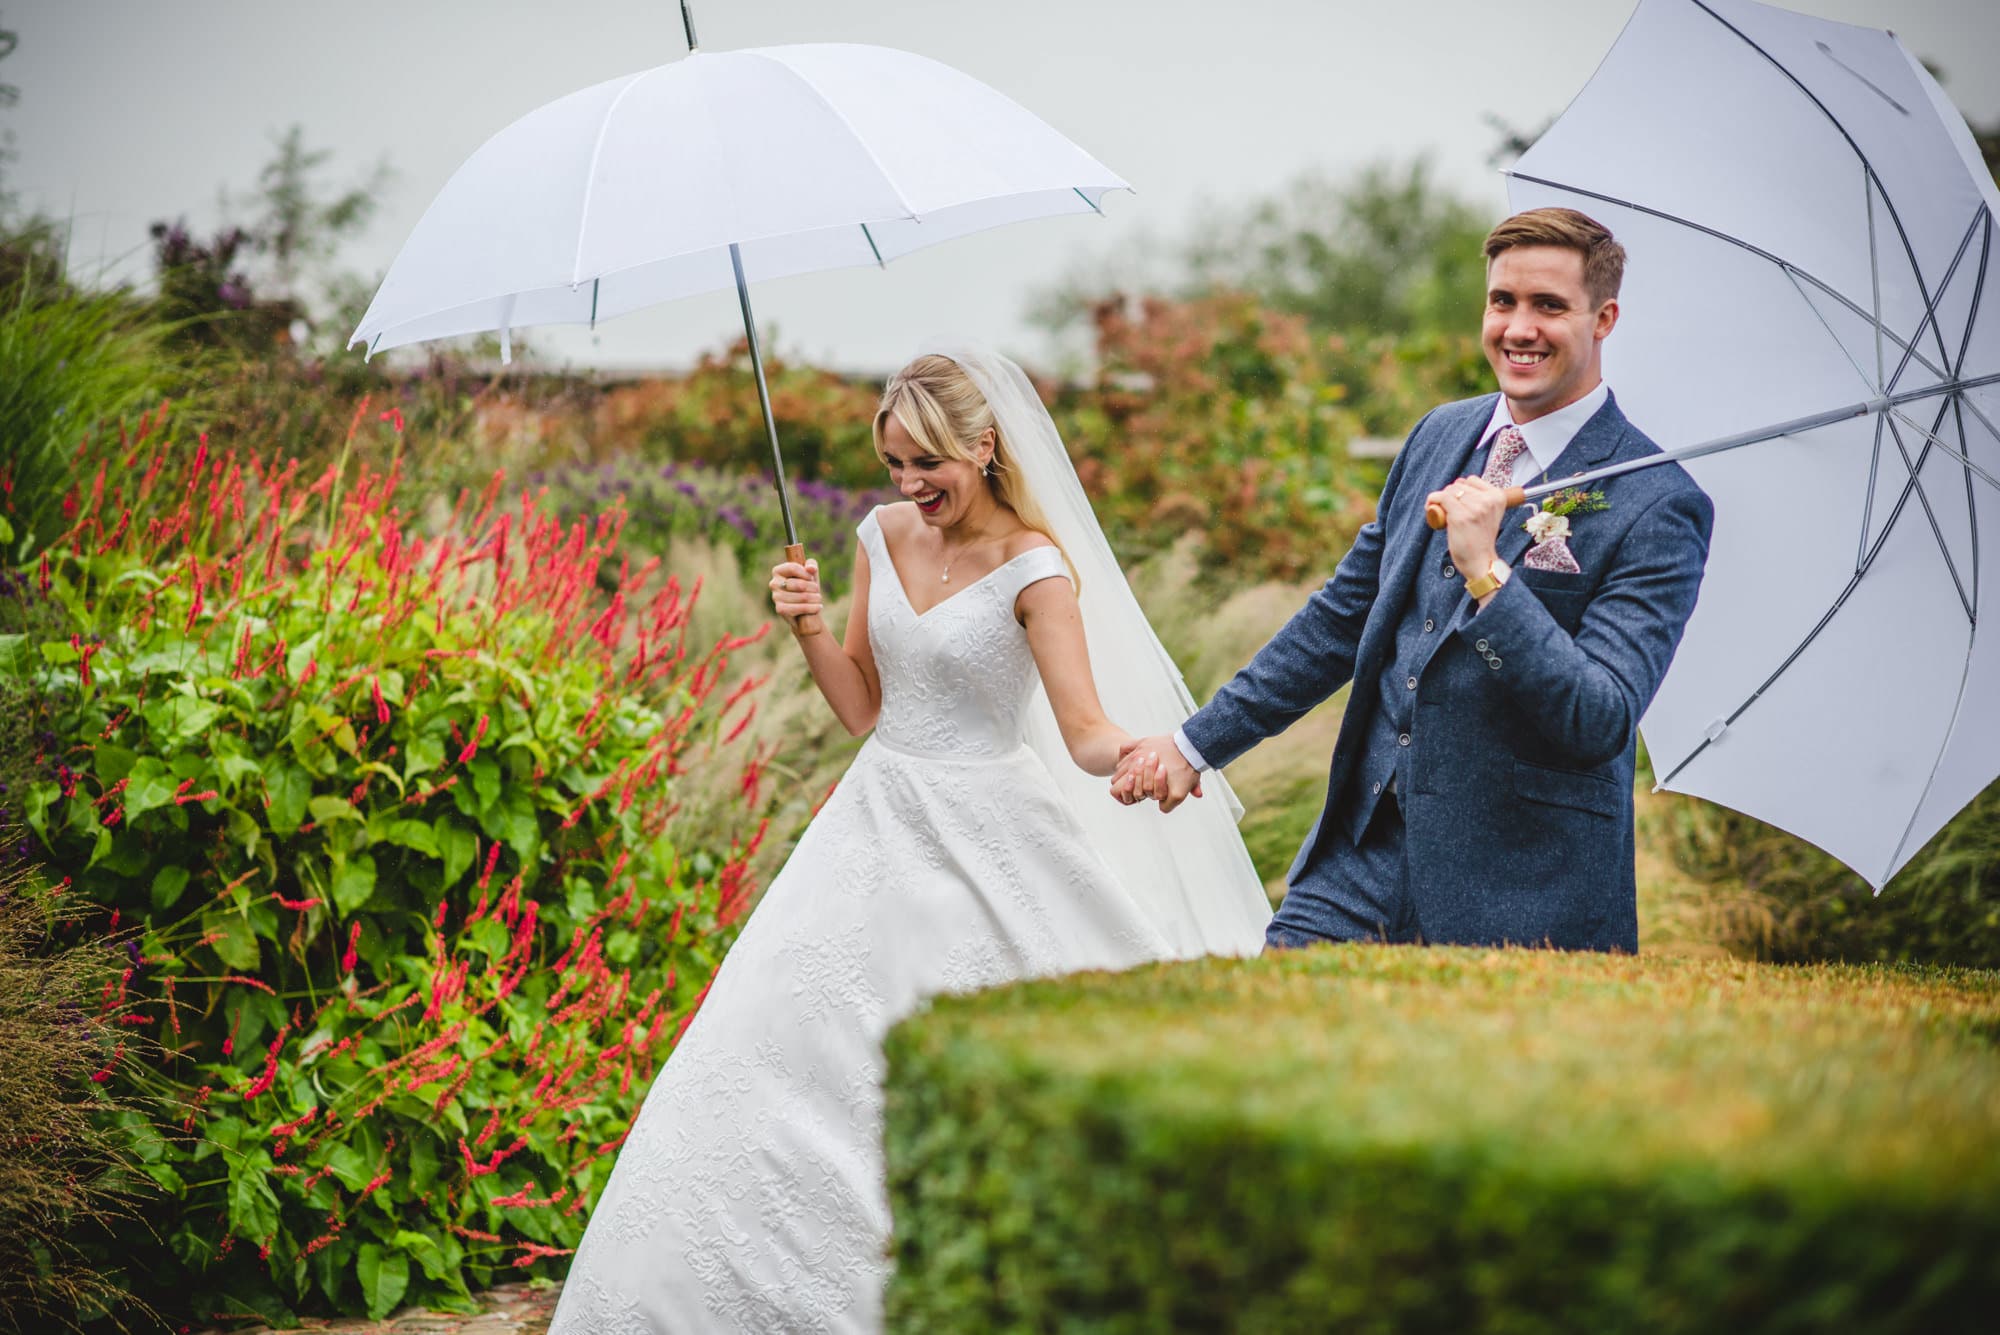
[(71, 362), (424, 886), (1383, 252), (299, 223), (711, 416), (1218, 416), (1386, 1138), (61, 1156), (245, 288), (1942, 908), (731, 509)]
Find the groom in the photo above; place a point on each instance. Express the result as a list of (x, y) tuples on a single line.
[(1481, 789)]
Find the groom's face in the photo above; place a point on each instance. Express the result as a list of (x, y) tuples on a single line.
[(1542, 331)]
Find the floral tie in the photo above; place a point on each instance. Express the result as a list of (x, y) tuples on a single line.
[(1507, 447)]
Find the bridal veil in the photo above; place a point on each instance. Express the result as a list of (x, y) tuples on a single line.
[(1188, 871)]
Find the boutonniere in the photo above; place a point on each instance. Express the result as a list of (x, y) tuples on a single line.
[(1549, 527)]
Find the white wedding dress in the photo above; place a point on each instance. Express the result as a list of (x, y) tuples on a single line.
[(749, 1196)]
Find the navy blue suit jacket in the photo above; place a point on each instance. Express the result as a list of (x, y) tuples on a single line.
[(1518, 809)]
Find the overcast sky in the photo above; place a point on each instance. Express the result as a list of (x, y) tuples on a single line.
[(133, 110)]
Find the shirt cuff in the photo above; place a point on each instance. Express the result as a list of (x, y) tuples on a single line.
[(1188, 753)]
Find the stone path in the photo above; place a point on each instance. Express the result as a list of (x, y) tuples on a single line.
[(511, 1309)]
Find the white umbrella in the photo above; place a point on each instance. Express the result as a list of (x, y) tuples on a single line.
[(721, 169), (1811, 294)]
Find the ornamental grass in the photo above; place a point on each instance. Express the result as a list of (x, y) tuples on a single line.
[(62, 1167), (430, 841)]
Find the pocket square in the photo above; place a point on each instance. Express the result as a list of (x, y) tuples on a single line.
[(1552, 554)]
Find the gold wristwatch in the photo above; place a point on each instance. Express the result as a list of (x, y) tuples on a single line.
[(1496, 575)]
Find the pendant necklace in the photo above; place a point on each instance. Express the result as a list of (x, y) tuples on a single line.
[(945, 578)]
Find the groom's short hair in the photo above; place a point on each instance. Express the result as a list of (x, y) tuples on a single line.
[(1603, 257)]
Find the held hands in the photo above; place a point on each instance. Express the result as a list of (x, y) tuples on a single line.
[(795, 591), (1473, 509), (1153, 767)]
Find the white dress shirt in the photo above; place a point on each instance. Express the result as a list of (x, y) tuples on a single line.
[(1546, 436)]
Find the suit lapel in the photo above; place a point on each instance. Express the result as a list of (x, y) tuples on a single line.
[(1406, 551), (1596, 441)]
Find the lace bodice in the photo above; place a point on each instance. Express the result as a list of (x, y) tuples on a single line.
[(956, 679)]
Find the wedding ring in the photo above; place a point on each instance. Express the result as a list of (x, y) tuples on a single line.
[(1459, 492)]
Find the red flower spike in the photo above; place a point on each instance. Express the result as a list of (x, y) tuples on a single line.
[(103, 1073)]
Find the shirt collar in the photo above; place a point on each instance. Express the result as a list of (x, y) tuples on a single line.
[(1549, 435)]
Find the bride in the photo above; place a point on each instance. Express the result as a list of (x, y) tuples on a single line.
[(966, 846)]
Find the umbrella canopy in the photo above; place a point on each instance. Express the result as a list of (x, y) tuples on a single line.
[(802, 158), (1811, 238)]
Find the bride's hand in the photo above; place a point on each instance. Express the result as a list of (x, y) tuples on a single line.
[(795, 591), (1154, 768)]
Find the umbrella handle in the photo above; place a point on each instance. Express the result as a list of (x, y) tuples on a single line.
[(1434, 513), (807, 625)]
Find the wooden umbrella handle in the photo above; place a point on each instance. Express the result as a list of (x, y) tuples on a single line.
[(1434, 513), (807, 625)]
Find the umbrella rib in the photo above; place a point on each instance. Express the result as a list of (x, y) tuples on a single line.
[(1861, 570), (1852, 306), (1930, 780), (1859, 373), (1875, 280), (1958, 401), (1973, 510), (1971, 507), (1972, 469), (590, 180), (1924, 499), (1852, 584), (1978, 283), (1895, 219), (1868, 500), (860, 140), (1931, 307)]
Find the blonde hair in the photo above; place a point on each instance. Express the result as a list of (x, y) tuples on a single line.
[(944, 412)]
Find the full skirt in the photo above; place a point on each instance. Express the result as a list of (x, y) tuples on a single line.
[(749, 1195)]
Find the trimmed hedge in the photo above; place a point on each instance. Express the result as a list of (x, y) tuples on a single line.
[(1392, 1139)]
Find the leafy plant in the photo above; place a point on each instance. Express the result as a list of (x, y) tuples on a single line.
[(1217, 416), (424, 884), (1942, 908), (711, 416), (692, 502)]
